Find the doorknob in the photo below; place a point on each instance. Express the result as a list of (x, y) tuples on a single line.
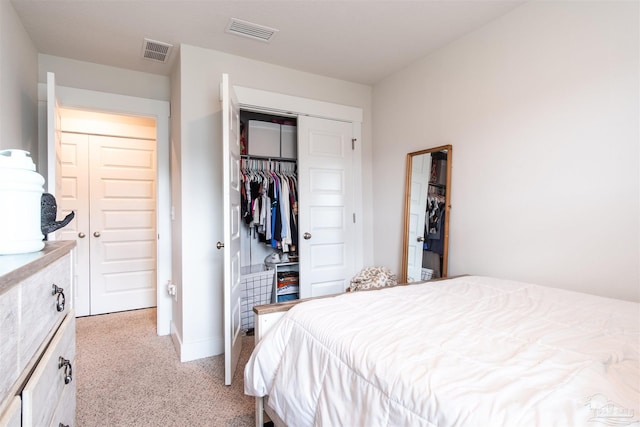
[(96, 234), (81, 235), (420, 239), (219, 245), (306, 236)]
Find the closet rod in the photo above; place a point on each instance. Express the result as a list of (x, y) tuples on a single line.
[(271, 159), (253, 165)]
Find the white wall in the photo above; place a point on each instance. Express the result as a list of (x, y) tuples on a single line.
[(95, 77), (18, 84), (176, 203), (541, 107), (102, 78), (200, 215)]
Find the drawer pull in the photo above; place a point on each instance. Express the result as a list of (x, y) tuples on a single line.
[(68, 369), (60, 299)]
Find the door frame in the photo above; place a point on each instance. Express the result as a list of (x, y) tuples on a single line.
[(159, 110), (277, 103)]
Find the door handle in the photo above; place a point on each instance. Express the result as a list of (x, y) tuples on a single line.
[(96, 234), (81, 235), (68, 369), (59, 294), (306, 236), (420, 239), (219, 245)]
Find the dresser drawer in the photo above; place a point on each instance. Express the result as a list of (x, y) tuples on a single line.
[(9, 317), (46, 386), (39, 313), (65, 414), (11, 417)]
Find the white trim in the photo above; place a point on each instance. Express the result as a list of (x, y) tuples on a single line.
[(273, 102), (359, 203), (175, 338), (160, 110)]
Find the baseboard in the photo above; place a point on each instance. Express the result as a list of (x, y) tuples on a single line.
[(175, 338), (194, 350)]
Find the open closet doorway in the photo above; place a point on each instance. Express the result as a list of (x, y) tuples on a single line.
[(328, 152), (52, 99)]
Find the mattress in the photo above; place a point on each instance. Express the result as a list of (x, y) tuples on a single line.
[(469, 351)]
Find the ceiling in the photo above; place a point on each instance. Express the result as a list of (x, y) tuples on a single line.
[(355, 40)]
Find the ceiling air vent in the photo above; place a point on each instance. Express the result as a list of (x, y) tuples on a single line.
[(251, 30), (156, 51)]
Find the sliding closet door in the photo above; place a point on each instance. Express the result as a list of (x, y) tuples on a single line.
[(326, 206)]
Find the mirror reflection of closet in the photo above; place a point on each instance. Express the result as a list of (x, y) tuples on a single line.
[(426, 220)]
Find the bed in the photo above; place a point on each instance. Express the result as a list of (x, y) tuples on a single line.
[(468, 351)]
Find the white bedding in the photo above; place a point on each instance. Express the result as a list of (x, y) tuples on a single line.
[(470, 351)]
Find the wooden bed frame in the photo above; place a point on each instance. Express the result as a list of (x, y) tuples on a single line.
[(265, 317)]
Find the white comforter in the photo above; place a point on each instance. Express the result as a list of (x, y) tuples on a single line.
[(470, 351)]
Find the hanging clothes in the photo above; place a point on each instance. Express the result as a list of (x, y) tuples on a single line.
[(269, 202), (433, 229)]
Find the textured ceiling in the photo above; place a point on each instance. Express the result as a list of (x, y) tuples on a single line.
[(359, 41)]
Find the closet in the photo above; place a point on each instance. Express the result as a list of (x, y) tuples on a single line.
[(296, 207), (269, 211), (324, 167), (269, 190)]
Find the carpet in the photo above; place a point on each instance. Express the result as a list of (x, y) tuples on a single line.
[(128, 376)]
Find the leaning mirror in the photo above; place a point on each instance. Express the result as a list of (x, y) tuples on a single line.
[(426, 214)]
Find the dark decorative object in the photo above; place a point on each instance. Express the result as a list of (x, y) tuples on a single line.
[(48, 223)]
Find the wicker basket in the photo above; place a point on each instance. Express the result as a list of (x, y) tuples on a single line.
[(427, 273), (257, 289)]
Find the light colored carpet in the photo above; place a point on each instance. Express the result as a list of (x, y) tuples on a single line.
[(128, 376)]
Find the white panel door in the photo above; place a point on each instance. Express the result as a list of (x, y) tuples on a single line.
[(123, 223), (420, 171), (74, 196), (109, 182), (326, 206), (231, 183)]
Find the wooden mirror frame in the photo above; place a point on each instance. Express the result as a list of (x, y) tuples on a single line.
[(407, 207)]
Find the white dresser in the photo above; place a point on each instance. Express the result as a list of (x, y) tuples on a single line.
[(37, 338)]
